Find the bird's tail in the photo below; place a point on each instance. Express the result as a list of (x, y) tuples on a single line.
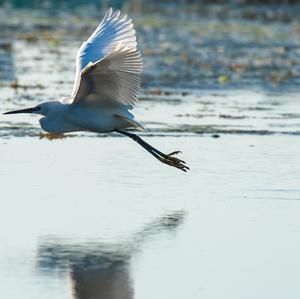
[(131, 123)]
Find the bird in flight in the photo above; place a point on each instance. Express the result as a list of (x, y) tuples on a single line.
[(106, 87)]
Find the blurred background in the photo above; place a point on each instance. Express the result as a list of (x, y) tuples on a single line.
[(189, 48), (186, 44)]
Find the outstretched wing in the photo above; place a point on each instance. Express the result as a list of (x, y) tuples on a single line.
[(108, 64)]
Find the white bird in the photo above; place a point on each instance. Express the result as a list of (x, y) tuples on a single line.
[(106, 87)]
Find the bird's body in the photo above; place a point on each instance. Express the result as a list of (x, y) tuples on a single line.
[(106, 87), (64, 118)]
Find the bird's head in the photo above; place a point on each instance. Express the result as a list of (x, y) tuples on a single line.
[(43, 108)]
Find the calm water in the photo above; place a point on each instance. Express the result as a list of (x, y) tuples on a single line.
[(95, 216), (98, 218)]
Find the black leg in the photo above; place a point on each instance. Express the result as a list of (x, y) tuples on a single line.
[(164, 158)]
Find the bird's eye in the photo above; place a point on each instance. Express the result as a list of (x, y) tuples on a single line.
[(38, 108)]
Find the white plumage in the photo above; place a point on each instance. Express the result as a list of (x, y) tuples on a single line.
[(108, 64), (107, 80), (106, 87)]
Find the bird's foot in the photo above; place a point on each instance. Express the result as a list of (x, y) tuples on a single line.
[(51, 136), (173, 161), (174, 153)]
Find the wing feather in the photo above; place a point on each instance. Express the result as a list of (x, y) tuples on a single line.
[(108, 64)]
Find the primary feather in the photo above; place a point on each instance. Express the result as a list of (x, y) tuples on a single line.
[(108, 64)]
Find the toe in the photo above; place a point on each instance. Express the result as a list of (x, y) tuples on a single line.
[(174, 153)]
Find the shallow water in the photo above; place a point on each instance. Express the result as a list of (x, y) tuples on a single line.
[(95, 216), (174, 113), (98, 216)]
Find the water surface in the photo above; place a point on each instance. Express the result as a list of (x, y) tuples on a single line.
[(98, 214)]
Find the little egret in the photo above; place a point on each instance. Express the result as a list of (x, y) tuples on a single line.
[(106, 87)]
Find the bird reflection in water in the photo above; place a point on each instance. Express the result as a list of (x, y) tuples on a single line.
[(100, 270)]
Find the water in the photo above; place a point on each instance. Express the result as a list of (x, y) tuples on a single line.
[(95, 216), (88, 213)]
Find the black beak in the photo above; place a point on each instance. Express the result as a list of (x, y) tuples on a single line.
[(28, 110)]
